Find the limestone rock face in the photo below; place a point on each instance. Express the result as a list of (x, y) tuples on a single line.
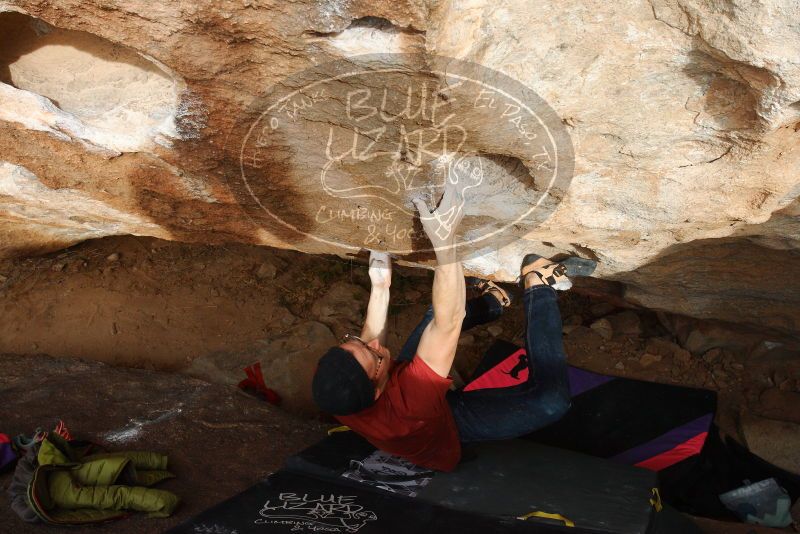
[(666, 146)]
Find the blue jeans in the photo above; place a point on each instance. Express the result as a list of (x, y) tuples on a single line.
[(504, 413)]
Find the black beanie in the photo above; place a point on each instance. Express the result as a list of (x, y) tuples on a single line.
[(340, 385)]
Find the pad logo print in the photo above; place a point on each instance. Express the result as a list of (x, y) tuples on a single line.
[(522, 364), (389, 473), (213, 528), (309, 513)]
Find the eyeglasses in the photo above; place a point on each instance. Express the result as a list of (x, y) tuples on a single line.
[(351, 337)]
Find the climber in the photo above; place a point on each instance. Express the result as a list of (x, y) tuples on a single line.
[(405, 406)]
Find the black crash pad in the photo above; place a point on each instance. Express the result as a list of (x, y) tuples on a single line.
[(516, 477), (509, 479), (495, 484), (289, 502)]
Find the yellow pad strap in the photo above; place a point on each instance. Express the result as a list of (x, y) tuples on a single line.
[(338, 429), (557, 517), (656, 500)]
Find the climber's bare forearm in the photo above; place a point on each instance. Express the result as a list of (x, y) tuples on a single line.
[(449, 295), (437, 347), (377, 311)]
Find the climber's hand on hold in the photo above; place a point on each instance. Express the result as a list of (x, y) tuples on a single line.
[(380, 269), (440, 225)]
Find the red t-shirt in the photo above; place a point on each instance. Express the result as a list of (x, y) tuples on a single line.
[(411, 418)]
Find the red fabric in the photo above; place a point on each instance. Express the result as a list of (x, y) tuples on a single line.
[(4, 438), (411, 418), (255, 382), (675, 455), (62, 430), (502, 375)]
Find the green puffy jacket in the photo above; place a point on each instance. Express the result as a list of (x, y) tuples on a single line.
[(68, 488)]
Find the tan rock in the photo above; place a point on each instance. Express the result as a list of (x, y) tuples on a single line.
[(648, 359), (626, 323), (711, 356), (683, 357), (777, 442), (495, 330), (773, 365), (567, 328), (778, 404), (668, 349), (707, 336), (603, 327), (266, 271)]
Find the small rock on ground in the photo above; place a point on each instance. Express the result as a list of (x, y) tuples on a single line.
[(495, 330), (648, 359), (604, 328), (266, 271), (626, 323), (668, 349)]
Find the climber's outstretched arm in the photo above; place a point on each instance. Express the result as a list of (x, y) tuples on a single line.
[(380, 273), (437, 347)]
